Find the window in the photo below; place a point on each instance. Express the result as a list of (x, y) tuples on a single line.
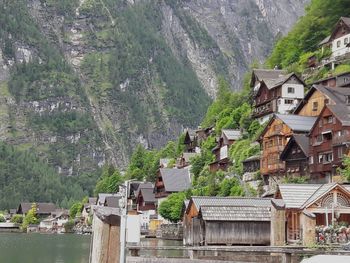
[(319, 138), (346, 40), (340, 152), (291, 90), (326, 101), (311, 160), (288, 101), (320, 123), (314, 106), (320, 158), (338, 43), (327, 157), (328, 120)]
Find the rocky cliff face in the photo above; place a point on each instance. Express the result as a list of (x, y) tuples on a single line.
[(83, 81)]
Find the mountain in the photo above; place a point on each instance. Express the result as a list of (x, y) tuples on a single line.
[(82, 82)]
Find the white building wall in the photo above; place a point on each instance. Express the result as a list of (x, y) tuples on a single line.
[(290, 100), (339, 46)]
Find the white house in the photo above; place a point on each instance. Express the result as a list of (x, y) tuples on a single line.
[(339, 39)]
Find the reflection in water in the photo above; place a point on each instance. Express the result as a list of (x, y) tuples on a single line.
[(44, 248)]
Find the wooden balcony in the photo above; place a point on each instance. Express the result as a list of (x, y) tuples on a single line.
[(262, 110), (320, 168), (273, 168)]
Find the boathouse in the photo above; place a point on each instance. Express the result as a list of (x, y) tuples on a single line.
[(229, 221)]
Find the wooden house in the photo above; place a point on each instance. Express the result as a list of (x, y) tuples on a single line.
[(101, 198), (221, 150), (275, 91), (203, 133), (339, 38), (311, 205), (295, 155), (171, 180), (190, 140), (227, 220), (42, 209), (251, 164), (340, 80), (273, 140), (329, 141), (146, 204)]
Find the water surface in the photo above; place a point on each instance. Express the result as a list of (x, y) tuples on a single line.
[(44, 248)]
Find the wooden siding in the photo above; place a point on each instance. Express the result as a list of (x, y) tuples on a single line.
[(296, 162), (273, 142), (331, 143), (236, 232), (308, 109)]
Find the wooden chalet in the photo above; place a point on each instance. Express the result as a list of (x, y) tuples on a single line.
[(311, 205), (171, 180), (251, 164), (330, 141), (221, 150), (203, 133), (273, 140), (227, 220), (101, 198), (190, 140), (42, 209), (146, 199), (339, 39), (275, 91), (295, 155)]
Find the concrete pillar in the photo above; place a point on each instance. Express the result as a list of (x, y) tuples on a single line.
[(308, 224), (105, 235), (278, 223)]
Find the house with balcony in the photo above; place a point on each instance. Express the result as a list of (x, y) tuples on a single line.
[(339, 39), (275, 91), (273, 141), (221, 150), (330, 141)]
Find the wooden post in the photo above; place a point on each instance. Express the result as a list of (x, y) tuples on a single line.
[(278, 223), (106, 235), (286, 258)]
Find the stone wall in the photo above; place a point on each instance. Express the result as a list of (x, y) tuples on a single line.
[(171, 231)]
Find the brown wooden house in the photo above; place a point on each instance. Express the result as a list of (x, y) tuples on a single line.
[(295, 155), (311, 205), (190, 140), (340, 80), (275, 91), (203, 133), (329, 142), (146, 199), (319, 96), (184, 159), (273, 140), (221, 150), (209, 220)]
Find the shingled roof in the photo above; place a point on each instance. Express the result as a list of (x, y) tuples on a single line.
[(200, 201), (175, 180), (41, 208), (302, 195), (296, 122), (235, 213), (232, 135), (345, 20), (266, 74), (148, 195)]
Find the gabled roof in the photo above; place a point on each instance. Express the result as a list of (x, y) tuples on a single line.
[(235, 213), (102, 198), (266, 74), (175, 180), (148, 195), (232, 135), (143, 185), (188, 156), (200, 201), (273, 83), (345, 20), (41, 208), (296, 122), (301, 140), (303, 195), (341, 112)]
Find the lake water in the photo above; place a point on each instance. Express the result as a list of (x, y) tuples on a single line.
[(44, 248)]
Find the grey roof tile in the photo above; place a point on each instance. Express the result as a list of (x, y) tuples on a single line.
[(235, 213), (176, 180), (232, 134), (297, 123)]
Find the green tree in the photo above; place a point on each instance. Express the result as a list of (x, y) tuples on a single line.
[(31, 217), (18, 219), (2, 218), (171, 208), (75, 210), (109, 181), (345, 172)]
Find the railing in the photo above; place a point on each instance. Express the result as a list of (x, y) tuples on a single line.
[(272, 168)]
